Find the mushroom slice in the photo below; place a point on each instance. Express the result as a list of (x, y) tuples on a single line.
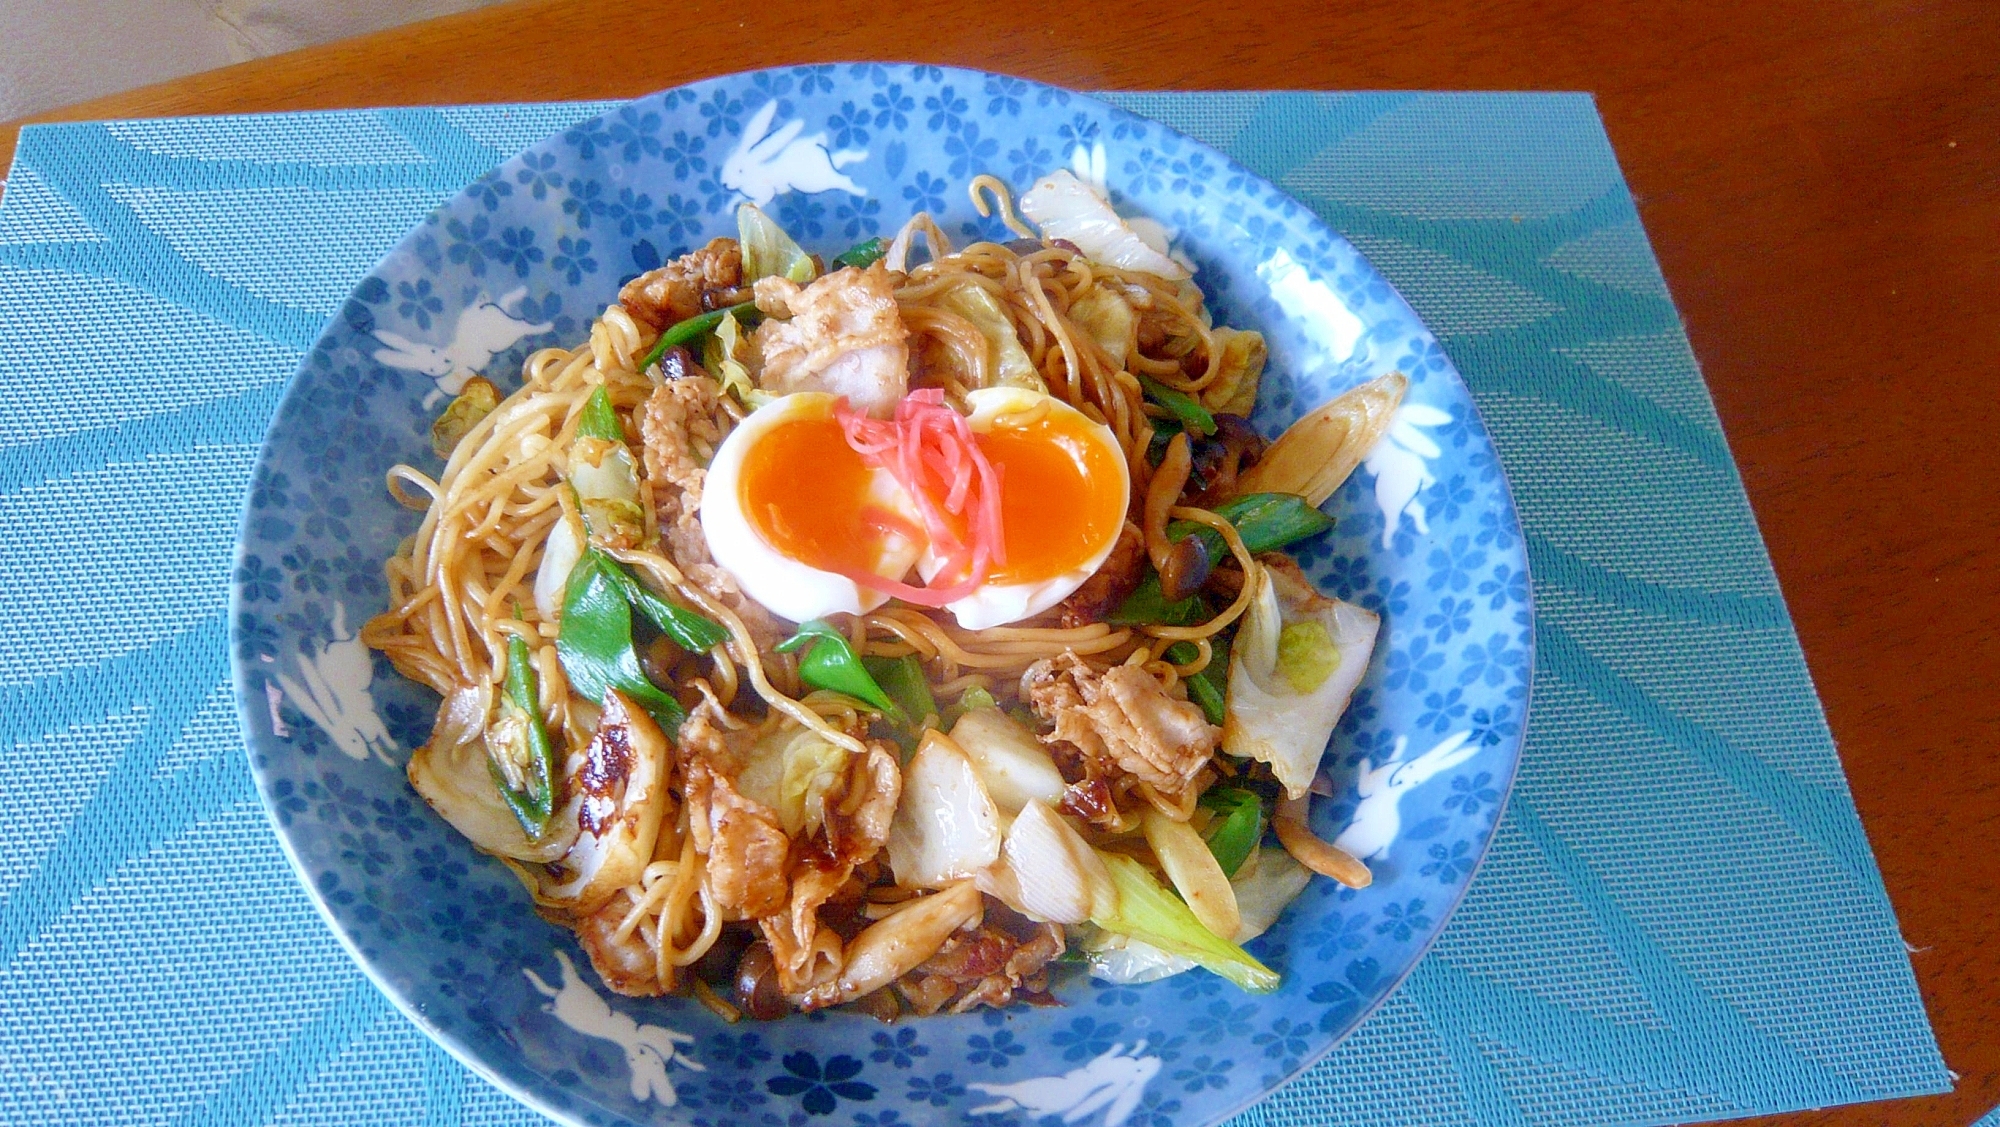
[(897, 944)]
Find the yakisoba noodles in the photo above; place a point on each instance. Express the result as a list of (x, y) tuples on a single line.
[(871, 631)]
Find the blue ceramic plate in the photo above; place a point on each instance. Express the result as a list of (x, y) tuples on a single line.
[(524, 258)]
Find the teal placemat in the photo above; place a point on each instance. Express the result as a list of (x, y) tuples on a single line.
[(1680, 918)]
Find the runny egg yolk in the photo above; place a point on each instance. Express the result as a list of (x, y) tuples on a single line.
[(1058, 505), (810, 496)]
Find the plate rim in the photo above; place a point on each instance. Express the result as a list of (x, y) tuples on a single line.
[(248, 714)]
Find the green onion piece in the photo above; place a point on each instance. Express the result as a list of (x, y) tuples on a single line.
[(1203, 692), (595, 642), (1147, 605), (1148, 912), (902, 678), (862, 256), (1269, 521), (1237, 828), (1265, 521), (1165, 427), (694, 327), (688, 630), (529, 783), (600, 419), (831, 663), (1184, 406), (1206, 688)]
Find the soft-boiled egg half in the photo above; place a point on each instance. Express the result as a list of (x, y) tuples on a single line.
[(1063, 494), (791, 511), (794, 512)]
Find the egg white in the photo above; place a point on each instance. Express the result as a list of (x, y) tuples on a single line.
[(996, 604), (784, 586)]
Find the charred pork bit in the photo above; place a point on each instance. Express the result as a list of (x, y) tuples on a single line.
[(626, 964), (985, 966), (1122, 718), (684, 287), (857, 823), (747, 850), (842, 334)]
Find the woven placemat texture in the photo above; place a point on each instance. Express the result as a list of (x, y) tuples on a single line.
[(1680, 918)]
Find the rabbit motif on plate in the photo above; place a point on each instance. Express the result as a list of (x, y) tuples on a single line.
[(767, 163), (483, 331), (1379, 818), (649, 1049)]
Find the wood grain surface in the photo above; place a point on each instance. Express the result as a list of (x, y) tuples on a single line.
[(1821, 182)]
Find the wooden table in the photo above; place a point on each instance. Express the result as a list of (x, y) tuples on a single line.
[(1821, 183)]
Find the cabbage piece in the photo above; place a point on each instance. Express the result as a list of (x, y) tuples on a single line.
[(560, 553), (1265, 886), (474, 402), (1109, 319), (619, 788), (600, 469), (1306, 655), (1013, 764), (1268, 718), (813, 768), (760, 763), (724, 355), (768, 251), (606, 481), (946, 827), (1011, 366), (1066, 208), (1147, 912), (790, 770), (452, 773), (1240, 362), (1046, 871)]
